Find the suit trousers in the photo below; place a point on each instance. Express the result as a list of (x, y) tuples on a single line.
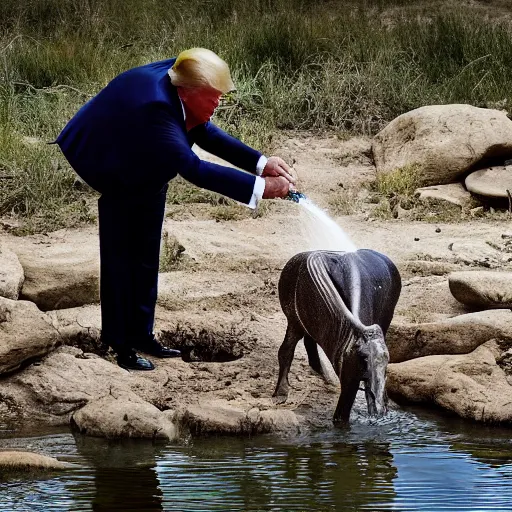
[(130, 227)]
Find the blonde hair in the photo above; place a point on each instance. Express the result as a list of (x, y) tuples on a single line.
[(199, 67)]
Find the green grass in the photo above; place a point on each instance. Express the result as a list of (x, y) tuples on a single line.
[(349, 67), (400, 182)]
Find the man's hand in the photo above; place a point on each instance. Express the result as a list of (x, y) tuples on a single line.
[(275, 186), (278, 167)]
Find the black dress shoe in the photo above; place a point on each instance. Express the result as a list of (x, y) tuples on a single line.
[(154, 348), (132, 361)]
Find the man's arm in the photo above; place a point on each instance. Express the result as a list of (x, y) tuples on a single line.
[(217, 142), (167, 142)]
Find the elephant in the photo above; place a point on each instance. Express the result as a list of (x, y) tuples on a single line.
[(344, 302)]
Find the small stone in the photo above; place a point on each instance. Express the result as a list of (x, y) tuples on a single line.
[(438, 230), (475, 212), (416, 239)]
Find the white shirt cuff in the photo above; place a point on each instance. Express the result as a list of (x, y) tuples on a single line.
[(261, 164), (257, 192)]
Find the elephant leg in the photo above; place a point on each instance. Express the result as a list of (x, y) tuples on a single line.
[(349, 388), (313, 356), (285, 357)]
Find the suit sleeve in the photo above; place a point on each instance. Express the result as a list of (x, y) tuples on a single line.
[(165, 142), (217, 142)]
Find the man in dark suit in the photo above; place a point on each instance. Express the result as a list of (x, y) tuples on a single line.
[(127, 143)]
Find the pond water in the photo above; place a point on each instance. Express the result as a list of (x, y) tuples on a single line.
[(410, 460)]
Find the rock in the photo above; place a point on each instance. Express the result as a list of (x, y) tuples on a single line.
[(124, 417), (278, 420), (443, 140), (453, 193), (428, 268), (477, 212), (219, 417), (457, 335), (402, 213), (25, 333), (482, 288), (477, 252), (61, 275), (28, 461), (471, 385), (11, 274), (64, 382), (491, 182), (77, 324)]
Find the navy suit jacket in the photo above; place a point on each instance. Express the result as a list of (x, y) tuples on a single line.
[(132, 137)]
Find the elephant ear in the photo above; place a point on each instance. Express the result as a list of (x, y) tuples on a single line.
[(362, 351)]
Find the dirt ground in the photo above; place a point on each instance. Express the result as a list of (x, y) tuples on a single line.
[(219, 304)]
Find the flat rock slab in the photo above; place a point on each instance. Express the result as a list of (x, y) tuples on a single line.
[(458, 335), (11, 274), (478, 253), (472, 385), (453, 193), (219, 417), (28, 461), (482, 288), (444, 141), (25, 333), (491, 182)]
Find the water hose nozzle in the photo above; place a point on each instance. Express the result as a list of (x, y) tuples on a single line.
[(295, 196)]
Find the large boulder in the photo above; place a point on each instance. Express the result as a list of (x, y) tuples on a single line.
[(457, 335), (471, 385), (491, 182), (122, 417), (62, 274), (25, 333), (482, 288), (11, 274), (444, 141)]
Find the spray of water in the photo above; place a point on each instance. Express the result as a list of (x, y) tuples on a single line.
[(320, 230)]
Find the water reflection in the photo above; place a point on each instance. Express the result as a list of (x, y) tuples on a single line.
[(405, 461), (237, 475), (124, 473)]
